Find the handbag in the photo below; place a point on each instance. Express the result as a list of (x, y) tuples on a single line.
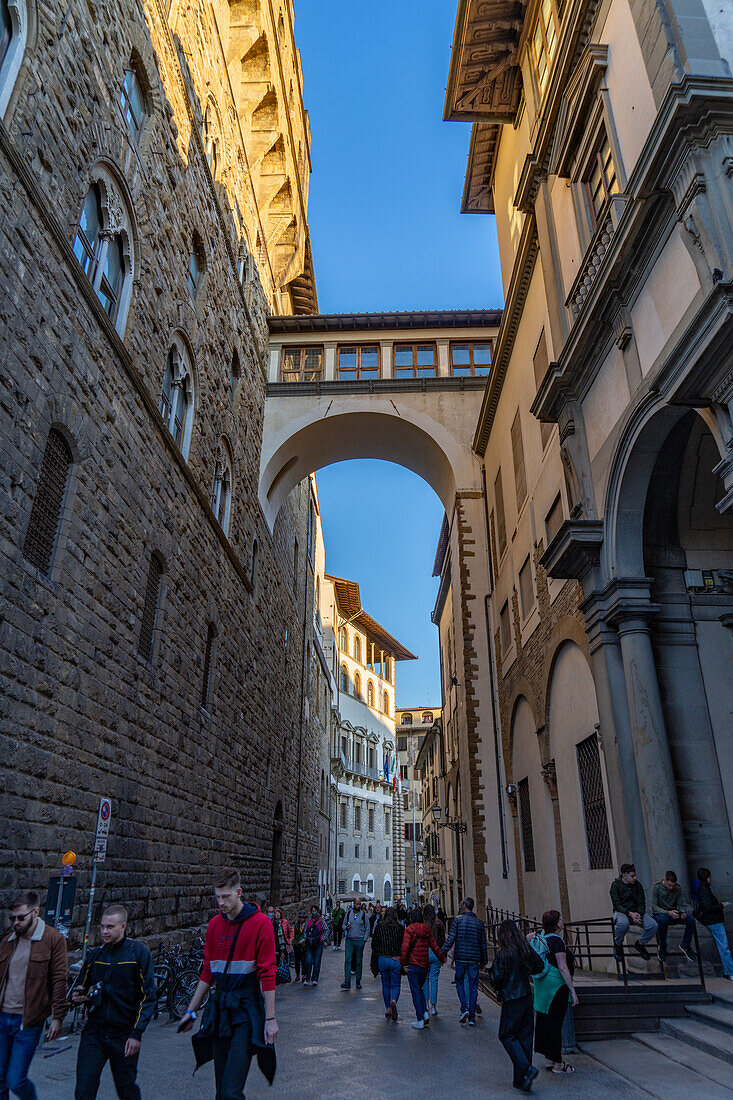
[(282, 974), (203, 1045)]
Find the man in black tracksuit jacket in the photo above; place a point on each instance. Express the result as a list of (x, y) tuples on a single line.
[(120, 1012)]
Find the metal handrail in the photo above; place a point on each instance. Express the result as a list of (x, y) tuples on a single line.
[(583, 939)]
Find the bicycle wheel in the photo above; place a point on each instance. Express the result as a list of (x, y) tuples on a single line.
[(181, 992)]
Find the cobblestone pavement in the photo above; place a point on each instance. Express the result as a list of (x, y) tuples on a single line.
[(337, 1045)]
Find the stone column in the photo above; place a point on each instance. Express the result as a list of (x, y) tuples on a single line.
[(443, 369), (385, 355), (653, 760), (549, 774), (329, 362)]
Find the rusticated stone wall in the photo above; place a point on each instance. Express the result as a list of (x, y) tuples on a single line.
[(82, 712)]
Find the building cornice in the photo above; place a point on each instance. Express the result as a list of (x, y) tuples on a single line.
[(374, 386), (516, 297), (397, 319)]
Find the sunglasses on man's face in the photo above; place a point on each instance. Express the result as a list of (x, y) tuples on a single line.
[(17, 918)]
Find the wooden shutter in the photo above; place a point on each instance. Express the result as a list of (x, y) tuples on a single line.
[(541, 363), (520, 475)]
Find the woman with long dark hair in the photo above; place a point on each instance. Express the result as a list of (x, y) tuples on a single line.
[(430, 989), (553, 990), (510, 975), (386, 944)]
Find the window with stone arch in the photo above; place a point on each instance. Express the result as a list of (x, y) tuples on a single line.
[(133, 97), (14, 22), (357, 685), (235, 379), (221, 496), (357, 648), (344, 678), (370, 693), (344, 640), (211, 140), (103, 245), (178, 394), (385, 703), (48, 503)]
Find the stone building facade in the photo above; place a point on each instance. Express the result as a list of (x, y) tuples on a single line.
[(411, 727), (602, 142), (154, 167)]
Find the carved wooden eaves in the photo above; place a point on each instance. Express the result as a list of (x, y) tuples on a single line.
[(484, 80)]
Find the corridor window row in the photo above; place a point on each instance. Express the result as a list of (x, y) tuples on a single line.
[(398, 361)]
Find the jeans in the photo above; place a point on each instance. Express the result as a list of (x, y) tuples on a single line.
[(391, 980), (516, 1031), (465, 969), (416, 976), (430, 988), (717, 931), (96, 1048), (313, 957), (338, 931), (17, 1047), (623, 924), (354, 949), (663, 922), (231, 1062)]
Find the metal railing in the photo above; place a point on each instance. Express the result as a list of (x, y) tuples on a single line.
[(592, 944)]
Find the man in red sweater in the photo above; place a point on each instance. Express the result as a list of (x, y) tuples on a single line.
[(240, 961), (417, 942)]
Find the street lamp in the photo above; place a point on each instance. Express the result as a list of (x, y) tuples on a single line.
[(456, 826)]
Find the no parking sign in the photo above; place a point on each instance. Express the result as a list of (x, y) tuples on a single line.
[(102, 834)]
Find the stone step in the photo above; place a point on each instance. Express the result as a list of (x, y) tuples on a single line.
[(658, 1077), (717, 1015), (697, 1060), (714, 1042)]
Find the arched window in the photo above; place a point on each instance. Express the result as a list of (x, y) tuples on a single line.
[(387, 891), (427, 718), (370, 693), (406, 719), (48, 503), (196, 267), (344, 678), (344, 640), (221, 497), (103, 246), (357, 648), (235, 378), (208, 660), (388, 669), (14, 16), (356, 884), (385, 703), (176, 401), (370, 885), (150, 607), (254, 567), (132, 99), (357, 685)]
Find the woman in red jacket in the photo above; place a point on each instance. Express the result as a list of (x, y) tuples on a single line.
[(418, 941)]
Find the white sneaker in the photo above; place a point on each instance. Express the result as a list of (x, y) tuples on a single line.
[(418, 1024), (433, 1010), (463, 1017), (426, 1017), (314, 983)]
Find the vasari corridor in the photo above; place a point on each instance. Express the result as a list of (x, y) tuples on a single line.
[(366, 527)]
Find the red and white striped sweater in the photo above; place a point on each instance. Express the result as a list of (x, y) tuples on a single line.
[(254, 951)]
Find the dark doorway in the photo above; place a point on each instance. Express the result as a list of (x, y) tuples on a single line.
[(278, 829)]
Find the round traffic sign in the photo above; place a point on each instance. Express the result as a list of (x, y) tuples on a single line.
[(104, 811)]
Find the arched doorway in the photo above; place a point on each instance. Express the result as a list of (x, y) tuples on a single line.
[(671, 554), (278, 829), (534, 828)]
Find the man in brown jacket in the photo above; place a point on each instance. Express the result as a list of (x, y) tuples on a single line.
[(33, 970)]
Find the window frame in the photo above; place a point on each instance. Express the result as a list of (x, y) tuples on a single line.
[(42, 538), (22, 18), (359, 348), (416, 368), (113, 230), (594, 160), (134, 125), (471, 344), (317, 376), (548, 54)]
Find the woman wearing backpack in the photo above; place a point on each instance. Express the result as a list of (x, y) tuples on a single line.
[(314, 936), (552, 989), (510, 974)]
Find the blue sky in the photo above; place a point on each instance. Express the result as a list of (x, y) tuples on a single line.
[(387, 234)]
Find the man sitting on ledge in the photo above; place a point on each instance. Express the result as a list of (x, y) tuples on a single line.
[(629, 907), (668, 907)]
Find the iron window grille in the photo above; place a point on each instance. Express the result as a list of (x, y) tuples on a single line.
[(594, 804), (470, 360), (150, 607), (525, 821), (45, 519), (415, 361)]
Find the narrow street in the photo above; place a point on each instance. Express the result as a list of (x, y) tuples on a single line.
[(338, 1045)]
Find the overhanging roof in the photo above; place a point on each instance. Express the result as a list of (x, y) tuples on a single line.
[(348, 602), (356, 322), (478, 195), (484, 81), (303, 289)]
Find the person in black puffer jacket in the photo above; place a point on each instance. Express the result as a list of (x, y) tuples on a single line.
[(709, 911)]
